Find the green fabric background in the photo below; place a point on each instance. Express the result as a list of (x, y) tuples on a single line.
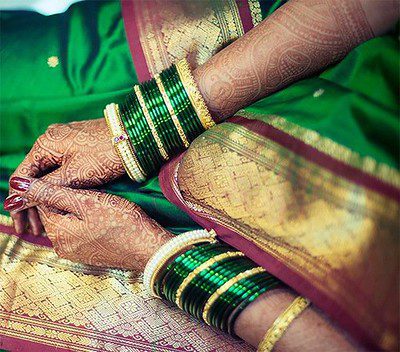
[(359, 106)]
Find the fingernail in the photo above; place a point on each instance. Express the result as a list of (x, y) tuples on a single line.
[(20, 183), (13, 202)]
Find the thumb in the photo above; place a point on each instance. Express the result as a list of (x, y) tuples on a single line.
[(37, 191)]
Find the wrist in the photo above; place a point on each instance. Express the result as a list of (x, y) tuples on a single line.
[(254, 321)]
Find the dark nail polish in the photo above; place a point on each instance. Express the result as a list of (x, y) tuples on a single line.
[(13, 202), (20, 183)]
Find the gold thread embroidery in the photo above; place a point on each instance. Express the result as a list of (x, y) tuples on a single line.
[(255, 11), (191, 28), (53, 61), (6, 220), (55, 302), (329, 147)]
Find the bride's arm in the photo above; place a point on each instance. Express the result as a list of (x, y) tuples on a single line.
[(298, 40)]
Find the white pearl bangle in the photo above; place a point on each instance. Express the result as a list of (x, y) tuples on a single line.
[(122, 143), (168, 250)]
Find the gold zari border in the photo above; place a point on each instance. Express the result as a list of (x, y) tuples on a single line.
[(329, 147), (255, 11)]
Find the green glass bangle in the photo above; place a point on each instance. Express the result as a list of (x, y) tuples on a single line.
[(136, 141), (175, 140), (187, 259), (222, 314), (188, 255), (195, 119), (126, 123), (183, 109), (208, 280), (186, 111), (185, 264), (148, 148), (215, 279), (232, 318), (233, 297), (160, 120), (185, 268), (225, 305), (216, 313)]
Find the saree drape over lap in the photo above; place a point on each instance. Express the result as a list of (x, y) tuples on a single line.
[(305, 182)]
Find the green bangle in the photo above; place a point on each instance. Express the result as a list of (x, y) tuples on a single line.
[(173, 135), (214, 279), (187, 111), (134, 137), (233, 297), (159, 119), (183, 109), (258, 290), (186, 266), (208, 280), (141, 135), (187, 259), (147, 142)]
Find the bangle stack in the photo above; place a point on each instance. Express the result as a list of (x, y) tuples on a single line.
[(158, 119), (209, 280)]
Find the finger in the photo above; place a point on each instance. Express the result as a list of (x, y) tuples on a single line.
[(19, 221), (39, 159), (34, 222), (62, 198)]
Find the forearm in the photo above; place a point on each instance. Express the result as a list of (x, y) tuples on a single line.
[(310, 331), (298, 40)]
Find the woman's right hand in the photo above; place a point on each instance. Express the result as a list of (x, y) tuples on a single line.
[(77, 154)]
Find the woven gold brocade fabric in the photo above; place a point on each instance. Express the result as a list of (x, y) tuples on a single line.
[(197, 29), (52, 301), (323, 227)]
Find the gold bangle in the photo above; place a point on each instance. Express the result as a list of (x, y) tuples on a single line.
[(150, 123), (225, 287), (194, 94), (278, 328), (122, 143), (171, 111), (206, 265)]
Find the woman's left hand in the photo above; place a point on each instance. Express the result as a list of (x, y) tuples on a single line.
[(95, 228)]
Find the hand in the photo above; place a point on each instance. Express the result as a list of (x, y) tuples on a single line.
[(95, 228), (77, 154)]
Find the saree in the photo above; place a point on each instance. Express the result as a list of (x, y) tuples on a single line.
[(64, 68), (320, 206)]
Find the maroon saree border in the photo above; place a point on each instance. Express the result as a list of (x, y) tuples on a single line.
[(267, 261), (14, 344), (26, 236), (308, 152), (133, 38), (245, 15)]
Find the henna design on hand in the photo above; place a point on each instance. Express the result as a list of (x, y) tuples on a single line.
[(77, 154), (96, 228), (298, 40)]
